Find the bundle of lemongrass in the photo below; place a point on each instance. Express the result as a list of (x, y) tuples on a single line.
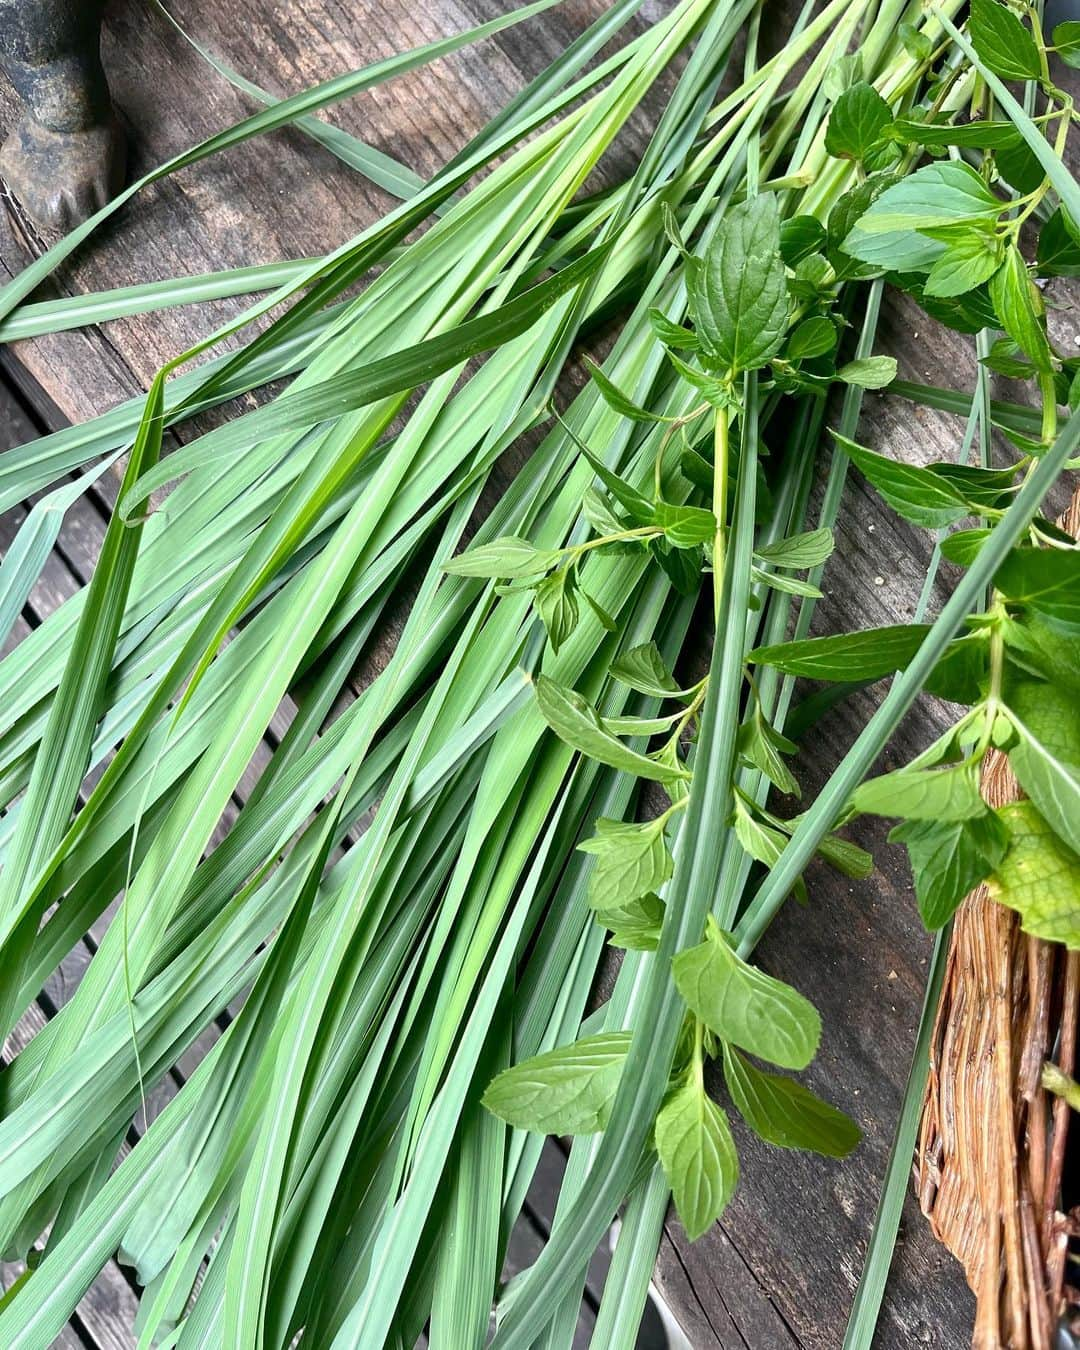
[(416, 1015)]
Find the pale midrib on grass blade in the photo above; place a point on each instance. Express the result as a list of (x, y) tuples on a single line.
[(56, 316)]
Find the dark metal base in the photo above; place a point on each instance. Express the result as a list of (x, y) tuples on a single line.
[(61, 178), (66, 158)]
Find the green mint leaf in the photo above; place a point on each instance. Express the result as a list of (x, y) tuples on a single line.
[(841, 75), (1039, 877), (698, 1156), (739, 297), (789, 585), (672, 334), (614, 397), (963, 546), (917, 494), (578, 723), (508, 556), (640, 726), (762, 746), (966, 263), (869, 372), (631, 861), (809, 549), (713, 389), (635, 926), (643, 669), (671, 227), (1019, 166), (917, 45), (901, 250), (814, 277), (961, 673), (980, 488), (1041, 650), (741, 1004), (1004, 358), (1058, 253), (1046, 753), (638, 505), (696, 468), (813, 337), (597, 509), (800, 237), (784, 1113), (976, 135), (923, 794), (944, 193), (846, 857), (685, 526), (868, 655), (1046, 581), (1002, 41), (1067, 41), (949, 859), (1018, 306), (857, 121), (682, 565), (764, 843), (606, 621), (845, 215), (967, 313), (556, 603), (568, 1090)]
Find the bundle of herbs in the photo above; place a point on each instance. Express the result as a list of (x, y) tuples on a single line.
[(416, 896)]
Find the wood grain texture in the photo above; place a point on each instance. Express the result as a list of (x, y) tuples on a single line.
[(781, 1268)]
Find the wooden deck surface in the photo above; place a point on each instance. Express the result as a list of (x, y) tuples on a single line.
[(779, 1272)]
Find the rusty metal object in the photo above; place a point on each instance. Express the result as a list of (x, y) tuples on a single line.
[(993, 1142), (66, 158)]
